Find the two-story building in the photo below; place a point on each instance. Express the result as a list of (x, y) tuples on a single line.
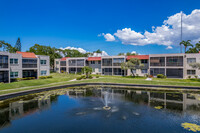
[(174, 65), (22, 65)]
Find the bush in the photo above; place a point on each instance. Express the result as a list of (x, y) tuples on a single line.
[(97, 76), (79, 78), (49, 76), (189, 77), (90, 77), (43, 77), (161, 76), (196, 77), (83, 77)]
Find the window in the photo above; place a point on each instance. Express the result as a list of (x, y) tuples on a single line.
[(57, 62), (99, 62), (118, 61), (106, 62), (3, 61), (191, 72), (144, 61), (191, 60), (14, 74), (43, 62), (157, 61), (13, 61), (44, 72), (92, 62), (144, 70), (175, 61)]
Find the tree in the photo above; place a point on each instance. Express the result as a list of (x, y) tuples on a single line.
[(132, 64), (52, 52), (186, 44), (18, 45), (87, 71), (128, 53), (98, 51), (195, 49), (7, 47), (72, 53)]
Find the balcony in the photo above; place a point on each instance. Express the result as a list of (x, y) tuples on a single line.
[(29, 63)]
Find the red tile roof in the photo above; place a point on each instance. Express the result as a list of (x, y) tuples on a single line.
[(141, 57), (27, 54), (94, 58), (64, 58)]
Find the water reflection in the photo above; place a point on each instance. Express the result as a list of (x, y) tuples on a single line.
[(121, 102)]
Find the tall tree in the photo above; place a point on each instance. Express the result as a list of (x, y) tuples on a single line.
[(132, 64), (7, 47), (195, 49), (52, 52), (186, 44), (18, 45)]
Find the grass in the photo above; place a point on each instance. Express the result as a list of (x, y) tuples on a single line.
[(62, 79)]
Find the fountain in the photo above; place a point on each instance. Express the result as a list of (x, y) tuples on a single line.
[(106, 98)]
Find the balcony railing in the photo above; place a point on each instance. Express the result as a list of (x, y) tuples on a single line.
[(29, 65), (3, 65)]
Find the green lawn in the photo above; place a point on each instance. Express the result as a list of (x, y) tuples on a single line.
[(62, 79)]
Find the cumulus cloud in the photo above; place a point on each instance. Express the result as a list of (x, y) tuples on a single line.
[(73, 48), (169, 47), (167, 34), (104, 53), (108, 37), (81, 50), (133, 52)]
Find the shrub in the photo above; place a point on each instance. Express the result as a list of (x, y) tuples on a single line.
[(196, 77), (97, 76), (79, 78), (160, 76), (189, 77), (79, 73), (90, 77), (49, 76), (42, 77), (83, 77)]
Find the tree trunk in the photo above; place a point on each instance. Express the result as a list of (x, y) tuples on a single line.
[(132, 73)]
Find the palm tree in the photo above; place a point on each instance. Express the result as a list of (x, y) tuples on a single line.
[(186, 44)]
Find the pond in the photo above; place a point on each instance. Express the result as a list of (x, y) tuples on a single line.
[(101, 110)]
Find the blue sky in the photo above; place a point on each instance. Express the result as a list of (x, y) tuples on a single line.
[(78, 23)]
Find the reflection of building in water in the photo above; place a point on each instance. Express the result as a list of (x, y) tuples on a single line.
[(77, 93), (18, 109), (171, 101)]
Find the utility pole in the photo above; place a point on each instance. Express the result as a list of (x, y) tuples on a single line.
[(181, 31)]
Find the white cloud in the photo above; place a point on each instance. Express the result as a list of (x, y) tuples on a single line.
[(169, 47), (104, 53), (108, 37), (73, 48), (133, 52), (167, 34), (81, 50)]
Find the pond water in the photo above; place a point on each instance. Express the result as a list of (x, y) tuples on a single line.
[(81, 111)]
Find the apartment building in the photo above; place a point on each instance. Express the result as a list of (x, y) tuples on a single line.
[(107, 65), (21, 65), (171, 65), (174, 65)]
